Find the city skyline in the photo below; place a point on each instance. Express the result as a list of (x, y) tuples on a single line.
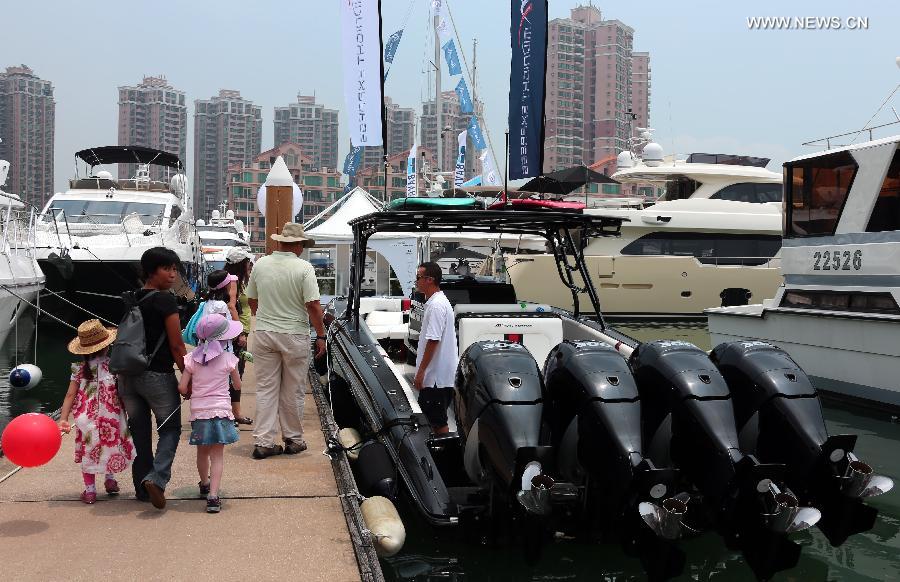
[(717, 85)]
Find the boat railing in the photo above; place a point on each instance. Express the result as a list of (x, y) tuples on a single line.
[(18, 236), (131, 225)]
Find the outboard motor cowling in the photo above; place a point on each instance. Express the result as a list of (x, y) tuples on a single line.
[(500, 407)]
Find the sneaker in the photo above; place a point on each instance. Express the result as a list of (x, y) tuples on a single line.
[(111, 486), (157, 495), (88, 497), (204, 489), (263, 452), (294, 447), (213, 505)]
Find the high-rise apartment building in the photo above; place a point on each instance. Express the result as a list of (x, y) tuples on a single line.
[(320, 187), (152, 114), (401, 131), (27, 116), (457, 122), (591, 88), (227, 132), (313, 126)]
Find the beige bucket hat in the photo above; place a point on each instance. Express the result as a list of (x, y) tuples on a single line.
[(292, 233)]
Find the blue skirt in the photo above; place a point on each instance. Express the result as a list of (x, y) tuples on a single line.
[(213, 431)]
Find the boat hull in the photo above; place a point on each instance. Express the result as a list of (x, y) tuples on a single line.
[(855, 356)]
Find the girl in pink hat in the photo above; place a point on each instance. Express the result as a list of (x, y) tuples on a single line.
[(206, 375)]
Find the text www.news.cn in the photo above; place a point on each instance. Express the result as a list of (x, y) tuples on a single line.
[(808, 23)]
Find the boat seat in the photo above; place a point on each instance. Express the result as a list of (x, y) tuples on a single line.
[(540, 332), (386, 324), (500, 308), (370, 304)]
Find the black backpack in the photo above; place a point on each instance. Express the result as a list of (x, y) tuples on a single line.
[(128, 354)]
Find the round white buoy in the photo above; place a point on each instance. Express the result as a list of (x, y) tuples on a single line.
[(25, 376), (384, 522), (349, 438)]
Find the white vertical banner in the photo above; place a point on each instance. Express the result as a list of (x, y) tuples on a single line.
[(460, 176), (412, 186), (361, 37), (489, 176), (400, 253)]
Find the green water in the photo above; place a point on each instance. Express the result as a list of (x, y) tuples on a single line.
[(432, 555)]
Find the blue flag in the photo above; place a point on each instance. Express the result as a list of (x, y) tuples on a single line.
[(452, 58), (390, 49), (528, 36), (351, 162), (465, 100), (475, 134)]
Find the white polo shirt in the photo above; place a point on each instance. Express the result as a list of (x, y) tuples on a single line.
[(437, 324)]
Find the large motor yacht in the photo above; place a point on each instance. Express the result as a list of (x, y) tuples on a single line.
[(711, 239), (837, 313), (220, 235), (20, 276), (90, 238)]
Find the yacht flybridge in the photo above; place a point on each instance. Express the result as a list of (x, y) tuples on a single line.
[(219, 235), (838, 312), (560, 423), (90, 239), (711, 239)]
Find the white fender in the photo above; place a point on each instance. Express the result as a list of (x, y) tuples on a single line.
[(349, 437), (384, 522)]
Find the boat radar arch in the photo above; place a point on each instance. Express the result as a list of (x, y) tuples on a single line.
[(624, 160), (201, 222), (216, 215), (179, 184), (652, 154), (229, 214)]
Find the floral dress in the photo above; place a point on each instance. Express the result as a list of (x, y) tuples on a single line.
[(102, 440)]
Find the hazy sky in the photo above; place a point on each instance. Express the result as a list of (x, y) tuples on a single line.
[(716, 85)]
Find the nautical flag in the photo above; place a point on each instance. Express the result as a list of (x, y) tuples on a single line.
[(361, 40), (489, 176), (460, 176), (452, 58), (412, 188), (390, 49), (443, 28), (528, 37), (475, 133), (351, 162), (465, 101)]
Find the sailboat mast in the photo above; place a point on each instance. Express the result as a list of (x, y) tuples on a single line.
[(438, 105)]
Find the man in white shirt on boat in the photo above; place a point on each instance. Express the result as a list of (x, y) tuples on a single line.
[(437, 355)]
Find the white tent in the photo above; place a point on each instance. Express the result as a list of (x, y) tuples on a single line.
[(335, 229)]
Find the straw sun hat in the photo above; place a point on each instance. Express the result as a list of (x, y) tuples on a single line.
[(92, 337)]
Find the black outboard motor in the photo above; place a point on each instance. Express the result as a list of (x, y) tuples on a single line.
[(595, 423), (689, 421), (780, 420), (500, 408)]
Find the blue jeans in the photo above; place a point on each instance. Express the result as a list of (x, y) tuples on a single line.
[(155, 392)]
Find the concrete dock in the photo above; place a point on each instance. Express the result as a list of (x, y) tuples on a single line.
[(281, 518)]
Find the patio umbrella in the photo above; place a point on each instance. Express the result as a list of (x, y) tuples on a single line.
[(562, 182)]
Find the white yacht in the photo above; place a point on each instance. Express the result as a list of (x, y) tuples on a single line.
[(711, 239), (220, 235), (837, 313), (21, 279), (90, 239)]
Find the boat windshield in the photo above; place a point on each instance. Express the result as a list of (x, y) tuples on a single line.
[(678, 187), (103, 211)]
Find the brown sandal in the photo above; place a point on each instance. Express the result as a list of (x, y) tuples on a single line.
[(243, 420)]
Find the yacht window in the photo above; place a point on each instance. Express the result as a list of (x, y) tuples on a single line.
[(753, 192), (816, 190), (221, 242), (103, 211), (708, 248), (886, 215), (835, 301), (680, 187)]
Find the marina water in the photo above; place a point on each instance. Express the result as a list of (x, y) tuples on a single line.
[(432, 555)]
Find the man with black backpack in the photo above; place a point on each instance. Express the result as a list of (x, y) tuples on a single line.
[(147, 381)]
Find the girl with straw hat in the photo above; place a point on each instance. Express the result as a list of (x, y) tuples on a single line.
[(102, 441)]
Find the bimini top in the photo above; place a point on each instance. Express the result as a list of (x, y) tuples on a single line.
[(128, 155), (539, 223)]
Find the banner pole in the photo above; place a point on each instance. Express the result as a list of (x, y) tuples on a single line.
[(384, 132), (506, 169)]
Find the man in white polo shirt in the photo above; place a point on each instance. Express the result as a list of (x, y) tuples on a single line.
[(437, 355)]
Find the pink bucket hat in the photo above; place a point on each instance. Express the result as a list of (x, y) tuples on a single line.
[(211, 330)]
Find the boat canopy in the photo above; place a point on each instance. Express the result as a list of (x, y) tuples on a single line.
[(128, 155)]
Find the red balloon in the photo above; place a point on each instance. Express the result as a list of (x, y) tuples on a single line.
[(31, 439)]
